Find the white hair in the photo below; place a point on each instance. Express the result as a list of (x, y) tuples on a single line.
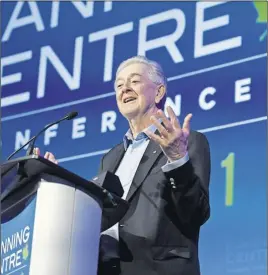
[(155, 72)]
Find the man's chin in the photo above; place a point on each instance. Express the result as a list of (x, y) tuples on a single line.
[(130, 114)]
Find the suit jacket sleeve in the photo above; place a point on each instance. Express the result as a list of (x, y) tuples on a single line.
[(190, 183)]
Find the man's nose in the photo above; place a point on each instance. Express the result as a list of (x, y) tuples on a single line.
[(126, 88)]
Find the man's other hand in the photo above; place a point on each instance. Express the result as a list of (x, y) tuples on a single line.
[(48, 155)]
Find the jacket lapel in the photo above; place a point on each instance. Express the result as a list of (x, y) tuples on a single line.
[(151, 154), (117, 157)]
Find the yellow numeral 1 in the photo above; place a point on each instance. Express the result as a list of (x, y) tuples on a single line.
[(229, 164)]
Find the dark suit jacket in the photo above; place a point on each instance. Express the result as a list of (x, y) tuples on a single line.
[(159, 233)]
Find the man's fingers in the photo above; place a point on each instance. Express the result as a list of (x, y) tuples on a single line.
[(49, 156), (174, 120), (162, 130), (186, 123), (154, 137), (165, 120), (36, 151)]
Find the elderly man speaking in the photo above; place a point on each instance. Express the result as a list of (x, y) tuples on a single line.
[(164, 168)]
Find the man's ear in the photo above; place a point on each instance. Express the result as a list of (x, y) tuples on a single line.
[(160, 93)]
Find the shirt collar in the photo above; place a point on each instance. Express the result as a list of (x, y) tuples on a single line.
[(128, 137)]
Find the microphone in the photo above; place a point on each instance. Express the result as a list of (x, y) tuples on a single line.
[(69, 116)]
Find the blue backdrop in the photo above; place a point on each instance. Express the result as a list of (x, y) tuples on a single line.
[(61, 57)]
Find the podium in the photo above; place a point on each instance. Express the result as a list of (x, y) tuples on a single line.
[(51, 219)]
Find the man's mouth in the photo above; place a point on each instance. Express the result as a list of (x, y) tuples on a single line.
[(129, 99)]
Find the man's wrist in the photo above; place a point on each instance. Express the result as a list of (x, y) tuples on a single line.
[(177, 157), (175, 163)]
